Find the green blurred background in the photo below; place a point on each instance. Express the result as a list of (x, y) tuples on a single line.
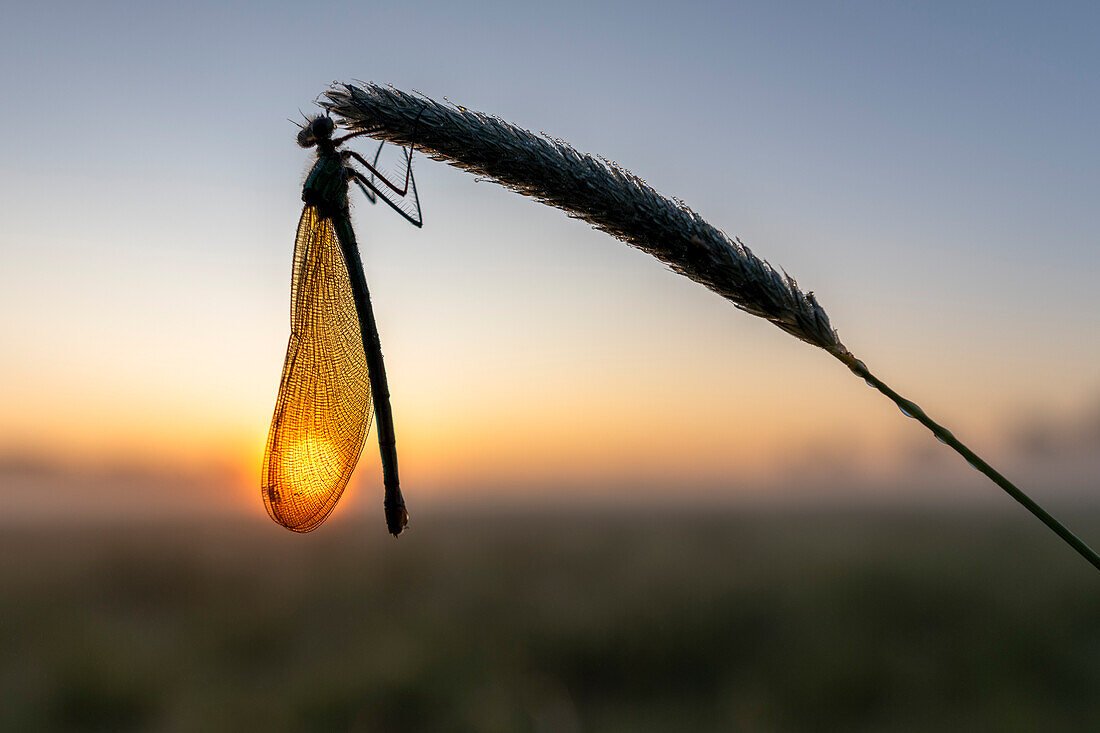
[(607, 619)]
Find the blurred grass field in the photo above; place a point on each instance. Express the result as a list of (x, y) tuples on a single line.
[(556, 620)]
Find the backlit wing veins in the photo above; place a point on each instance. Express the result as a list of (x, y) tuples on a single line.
[(324, 409)]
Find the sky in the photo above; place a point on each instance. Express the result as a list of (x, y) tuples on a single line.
[(930, 171)]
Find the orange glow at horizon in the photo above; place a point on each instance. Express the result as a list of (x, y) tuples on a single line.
[(493, 439), (491, 433)]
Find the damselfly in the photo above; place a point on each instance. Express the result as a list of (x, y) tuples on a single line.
[(333, 375)]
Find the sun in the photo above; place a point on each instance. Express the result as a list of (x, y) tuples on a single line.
[(310, 466)]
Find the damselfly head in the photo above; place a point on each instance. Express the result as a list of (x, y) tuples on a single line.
[(315, 130)]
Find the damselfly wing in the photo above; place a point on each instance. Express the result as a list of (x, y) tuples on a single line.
[(324, 408), (333, 375)]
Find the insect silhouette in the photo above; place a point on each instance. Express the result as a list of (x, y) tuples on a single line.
[(333, 375)]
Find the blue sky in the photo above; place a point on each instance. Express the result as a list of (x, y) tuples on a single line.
[(930, 171)]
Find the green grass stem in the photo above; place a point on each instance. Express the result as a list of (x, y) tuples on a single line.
[(945, 436)]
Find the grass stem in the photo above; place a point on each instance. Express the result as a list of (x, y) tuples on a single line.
[(946, 437), (613, 199)]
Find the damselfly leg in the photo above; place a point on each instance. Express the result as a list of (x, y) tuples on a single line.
[(397, 197), (366, 191)]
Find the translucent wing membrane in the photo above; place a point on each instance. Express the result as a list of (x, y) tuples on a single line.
[(323, 410)]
